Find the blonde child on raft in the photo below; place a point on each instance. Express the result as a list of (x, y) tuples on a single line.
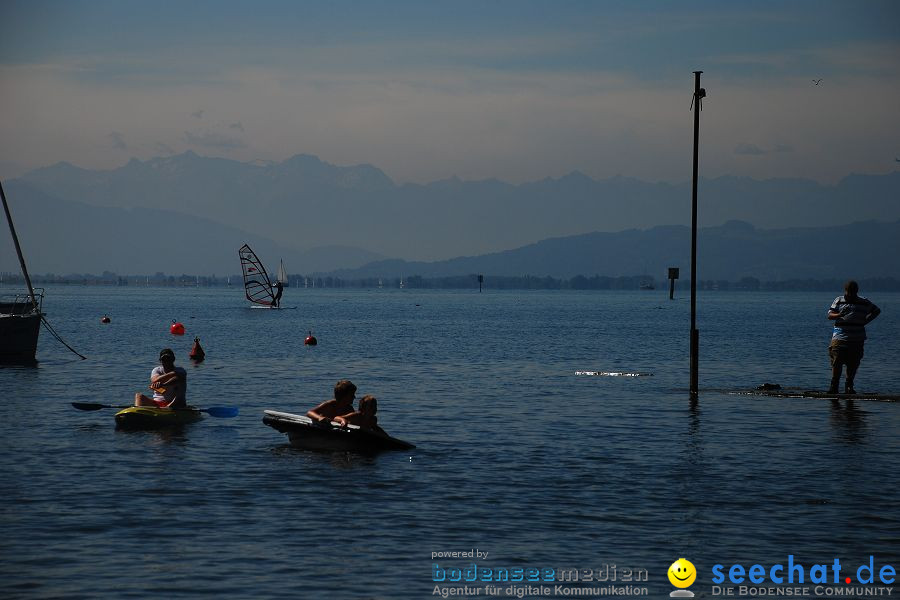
[(364, 418)]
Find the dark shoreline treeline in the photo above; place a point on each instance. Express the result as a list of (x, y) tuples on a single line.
[(526, 282)]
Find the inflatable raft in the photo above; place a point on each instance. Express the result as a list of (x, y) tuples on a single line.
[(305, 434), (149, 417)]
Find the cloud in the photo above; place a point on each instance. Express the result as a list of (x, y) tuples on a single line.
[(161, 148), (118, 140), (212, 139), (542, 99), (749, 149), (753, 150)]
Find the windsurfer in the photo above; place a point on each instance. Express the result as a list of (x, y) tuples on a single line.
[(257, 286), (168, 382), (341, 404), (279, 288)]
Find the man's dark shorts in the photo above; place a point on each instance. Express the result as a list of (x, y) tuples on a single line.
[(846, 353)]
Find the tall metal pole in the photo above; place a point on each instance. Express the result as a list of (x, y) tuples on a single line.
[(699, 93), (15, 238)]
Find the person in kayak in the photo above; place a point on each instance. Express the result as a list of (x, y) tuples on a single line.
[(365, 417), (168, 382), (850, 313), (341, 404)]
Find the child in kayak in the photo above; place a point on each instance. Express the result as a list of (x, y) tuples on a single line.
[(168, 382), (365, 417), (341, 404)]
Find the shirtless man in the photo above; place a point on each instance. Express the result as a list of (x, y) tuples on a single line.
[(341, 404)]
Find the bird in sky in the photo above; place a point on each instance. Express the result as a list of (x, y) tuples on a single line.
[(816, 81)]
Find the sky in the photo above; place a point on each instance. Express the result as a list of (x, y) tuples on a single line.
[(513, 90)]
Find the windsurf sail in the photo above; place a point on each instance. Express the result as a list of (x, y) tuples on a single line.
[(257, 286)]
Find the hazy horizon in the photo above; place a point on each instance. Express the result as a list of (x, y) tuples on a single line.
[(517, 91), (835, 178)]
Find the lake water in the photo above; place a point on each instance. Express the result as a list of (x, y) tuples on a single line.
[(517, 456)]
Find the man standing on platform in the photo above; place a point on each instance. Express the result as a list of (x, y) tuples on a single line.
[(850, 313)]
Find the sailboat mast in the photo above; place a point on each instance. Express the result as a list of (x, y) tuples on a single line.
[(15, 238)]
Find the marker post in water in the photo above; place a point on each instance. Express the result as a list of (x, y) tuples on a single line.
[(673, 275)]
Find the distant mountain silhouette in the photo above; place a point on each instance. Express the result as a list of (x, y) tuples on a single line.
[(728, 252), (65, 237), (304, 203)]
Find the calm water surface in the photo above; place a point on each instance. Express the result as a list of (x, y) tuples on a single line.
[(517, 456)]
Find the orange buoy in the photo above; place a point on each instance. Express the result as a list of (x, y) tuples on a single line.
[(310, 340), (104, 319), (176, 328), (197, 354)]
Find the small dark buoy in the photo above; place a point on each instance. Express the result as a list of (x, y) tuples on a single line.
[(310, 340), (197, 354), (104, 319), (176, 328)]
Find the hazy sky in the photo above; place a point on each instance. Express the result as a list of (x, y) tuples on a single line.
[(427, 90)]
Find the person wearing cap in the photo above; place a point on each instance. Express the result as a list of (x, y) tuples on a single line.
[(168, 382)]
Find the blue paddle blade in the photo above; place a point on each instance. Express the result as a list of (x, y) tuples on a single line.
[(222, 412)]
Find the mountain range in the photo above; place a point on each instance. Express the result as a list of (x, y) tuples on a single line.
[(728, 252), (189, 214)]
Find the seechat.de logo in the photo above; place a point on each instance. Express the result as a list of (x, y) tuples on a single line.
[(682, 574)]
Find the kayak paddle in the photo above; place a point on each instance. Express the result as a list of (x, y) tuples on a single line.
[(222, 412)]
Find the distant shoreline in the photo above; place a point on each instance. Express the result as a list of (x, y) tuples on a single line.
[(526, 282)]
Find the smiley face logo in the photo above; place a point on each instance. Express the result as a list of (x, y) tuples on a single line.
[(682, 573)]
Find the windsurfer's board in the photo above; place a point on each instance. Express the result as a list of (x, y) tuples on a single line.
[(270, 308)]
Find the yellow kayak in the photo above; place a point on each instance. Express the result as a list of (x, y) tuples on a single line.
[(150, 417)]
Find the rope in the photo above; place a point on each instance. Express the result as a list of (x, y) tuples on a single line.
[(61, 341)]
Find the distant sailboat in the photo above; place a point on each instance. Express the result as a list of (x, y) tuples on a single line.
[(282, 275), (257, 286)]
